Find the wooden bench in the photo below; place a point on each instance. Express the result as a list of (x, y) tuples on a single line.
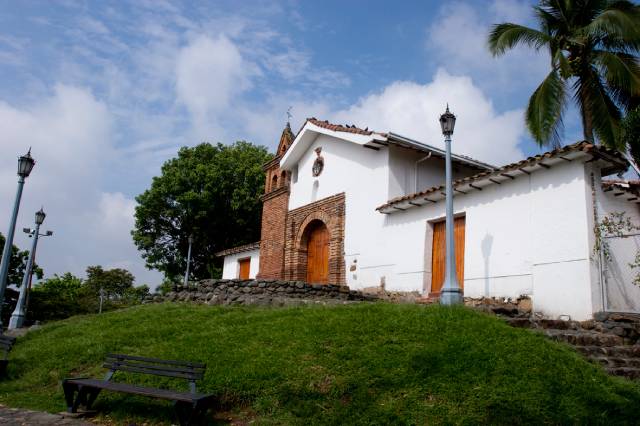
[(6, 343), (189, 406)]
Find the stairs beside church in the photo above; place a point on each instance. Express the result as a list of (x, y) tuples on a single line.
[(611, 340)]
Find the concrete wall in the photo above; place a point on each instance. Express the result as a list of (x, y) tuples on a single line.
[(231, 267)]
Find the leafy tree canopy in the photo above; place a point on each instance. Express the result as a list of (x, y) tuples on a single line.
[(18, 264), (115, 282), (593, 45), (62, 296), (210, 192)]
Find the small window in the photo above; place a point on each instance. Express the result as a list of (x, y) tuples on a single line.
[(294, 175), (274, 182)]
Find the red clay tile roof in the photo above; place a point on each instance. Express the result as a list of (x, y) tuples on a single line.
[(630, 186), (239, 249), (395, 139), (342, 128), (584, 146)]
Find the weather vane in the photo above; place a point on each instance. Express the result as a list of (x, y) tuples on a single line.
[(289, 114)]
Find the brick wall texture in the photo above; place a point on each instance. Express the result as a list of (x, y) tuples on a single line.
[(330, 211), (274, 216), (283, 240)]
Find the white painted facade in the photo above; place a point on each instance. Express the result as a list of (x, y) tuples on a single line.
[(231, 267), (530, 234)]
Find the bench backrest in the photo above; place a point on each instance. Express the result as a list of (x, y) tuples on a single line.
[(190, 371), (6, 343)]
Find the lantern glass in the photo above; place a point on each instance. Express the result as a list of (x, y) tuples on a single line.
[(447, 122), (25, 164), (40, 215)]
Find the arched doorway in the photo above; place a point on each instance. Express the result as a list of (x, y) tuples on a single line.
[(317, 253)]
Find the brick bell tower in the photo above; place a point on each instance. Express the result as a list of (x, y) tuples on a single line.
[(275, 205)]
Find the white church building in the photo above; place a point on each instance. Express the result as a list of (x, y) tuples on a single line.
[(351, 206)]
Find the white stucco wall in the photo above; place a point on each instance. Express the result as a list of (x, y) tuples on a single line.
[(620, 294), (231, 267), (405, 163), (361, 173), (526, 236)]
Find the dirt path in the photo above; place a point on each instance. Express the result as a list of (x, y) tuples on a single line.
[(16, 416)]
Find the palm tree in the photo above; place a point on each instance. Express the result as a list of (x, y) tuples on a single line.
[(593, 46)]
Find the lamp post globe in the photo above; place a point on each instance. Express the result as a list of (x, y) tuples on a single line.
[(40, 215), (25, 165), (451, 293), (447, 122)]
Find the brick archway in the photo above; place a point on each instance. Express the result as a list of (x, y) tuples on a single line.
[(330, 212), (313, 246)]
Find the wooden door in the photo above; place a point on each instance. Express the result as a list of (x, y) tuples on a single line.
[(245, 267), (318, 255), (438, 260)]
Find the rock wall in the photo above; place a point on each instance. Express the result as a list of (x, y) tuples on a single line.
[(261, 292)]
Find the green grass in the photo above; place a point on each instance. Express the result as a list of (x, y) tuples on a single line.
[(355, 364)]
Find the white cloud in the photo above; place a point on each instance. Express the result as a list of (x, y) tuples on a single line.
[(71, 136), (209, 74), (116, 212), (413, 109), (459, 40)]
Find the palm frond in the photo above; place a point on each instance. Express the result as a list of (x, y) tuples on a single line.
[(597, 106), (544, 112), (550, 21), (620, 70), (619, 21), (506, 36), (561, 63)]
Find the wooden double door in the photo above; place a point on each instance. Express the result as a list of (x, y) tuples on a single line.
[(318, 254), (439, 253)]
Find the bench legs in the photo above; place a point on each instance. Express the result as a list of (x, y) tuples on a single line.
[(190, 413), (69, 392), (86, 396)]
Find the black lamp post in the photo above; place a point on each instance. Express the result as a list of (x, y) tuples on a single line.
[(25, 165)]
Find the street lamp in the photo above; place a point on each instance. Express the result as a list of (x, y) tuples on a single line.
[(25, 165), (186, 273), (17, 318), (451, 293)]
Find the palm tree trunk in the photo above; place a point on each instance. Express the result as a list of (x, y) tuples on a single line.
[(586, 113)]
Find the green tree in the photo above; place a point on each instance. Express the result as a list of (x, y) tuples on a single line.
[(55, 298), (18, 264), (209, 191), (116, 282), (593, 46)]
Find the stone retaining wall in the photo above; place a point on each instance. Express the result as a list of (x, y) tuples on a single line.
[(261, 292)]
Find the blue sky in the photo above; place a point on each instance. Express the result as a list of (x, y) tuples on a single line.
[(105, 92)]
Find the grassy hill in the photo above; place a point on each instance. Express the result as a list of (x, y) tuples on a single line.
[(355, 364)]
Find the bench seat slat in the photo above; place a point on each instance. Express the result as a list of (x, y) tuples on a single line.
[(139, 390), (156, 360), (151, 366), (145, 370)]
